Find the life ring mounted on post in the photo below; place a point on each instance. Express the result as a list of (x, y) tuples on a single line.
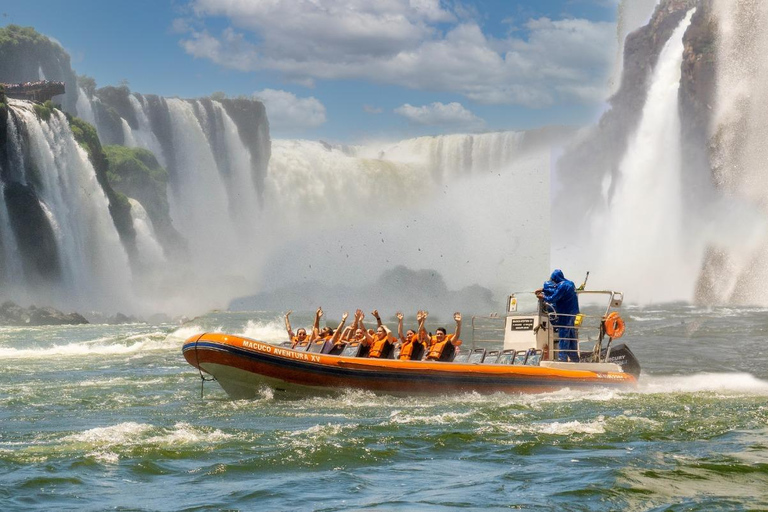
[(614, 325)]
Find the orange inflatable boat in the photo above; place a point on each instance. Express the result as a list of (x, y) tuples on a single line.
[(525, 363)]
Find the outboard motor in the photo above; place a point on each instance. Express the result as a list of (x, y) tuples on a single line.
[(621, 355)]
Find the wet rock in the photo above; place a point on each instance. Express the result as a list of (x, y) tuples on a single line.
[(13, 314)]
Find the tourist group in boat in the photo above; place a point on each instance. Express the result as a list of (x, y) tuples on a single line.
[(558, 294)]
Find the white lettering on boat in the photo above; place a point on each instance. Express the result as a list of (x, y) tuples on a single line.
[(263, 347)]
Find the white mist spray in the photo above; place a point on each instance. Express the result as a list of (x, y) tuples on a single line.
[(740, 153)]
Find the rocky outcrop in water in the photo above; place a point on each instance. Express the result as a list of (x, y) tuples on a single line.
[(13, 314)]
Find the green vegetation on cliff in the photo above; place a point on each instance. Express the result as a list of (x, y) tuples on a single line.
[(44, 110), (136, 171), (14, 36), (85, 134)]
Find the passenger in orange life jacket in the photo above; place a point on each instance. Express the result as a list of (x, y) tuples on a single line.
[(442, 345), (337, 336), (410, 343), (381, 342), (325, 333), (301, 333)]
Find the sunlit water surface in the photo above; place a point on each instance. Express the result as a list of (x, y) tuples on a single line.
[(110, 417)]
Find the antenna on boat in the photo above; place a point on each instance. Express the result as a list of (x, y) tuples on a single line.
[(584, 284)]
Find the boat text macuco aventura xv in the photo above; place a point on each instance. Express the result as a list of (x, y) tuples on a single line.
[(526, 363)]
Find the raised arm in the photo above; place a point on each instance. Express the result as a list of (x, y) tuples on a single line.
[(348, 330), (457, 317), (421, 316), (400, 334), (316, 326), (358, 313), (337, 334), (361, 326), (375, 314), (288, 325)]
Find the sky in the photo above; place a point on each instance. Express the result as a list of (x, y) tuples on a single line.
[(351, 71)]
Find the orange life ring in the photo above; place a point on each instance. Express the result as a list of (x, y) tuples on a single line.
[(614, 325)]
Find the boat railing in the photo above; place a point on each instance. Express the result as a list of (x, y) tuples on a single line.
[(587, 328)]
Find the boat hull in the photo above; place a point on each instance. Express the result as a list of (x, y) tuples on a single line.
[(244, 367)]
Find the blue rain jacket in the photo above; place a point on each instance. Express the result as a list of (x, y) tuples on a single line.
[(562, 296)]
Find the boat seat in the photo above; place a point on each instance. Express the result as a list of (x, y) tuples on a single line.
[(491, 357), (302, 346), (286, 344), (337, 349), (476, 356), (506, 357), (520, 357), (316, 347), (534, 357), (355, 349), (463, 357)]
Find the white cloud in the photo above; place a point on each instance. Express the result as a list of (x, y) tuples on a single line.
[(441, 114), (399, 42), (288, 113)]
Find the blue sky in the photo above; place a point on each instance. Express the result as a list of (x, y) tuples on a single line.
[(351, 70)]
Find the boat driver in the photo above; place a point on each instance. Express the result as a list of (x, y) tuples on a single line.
[(564, 299)]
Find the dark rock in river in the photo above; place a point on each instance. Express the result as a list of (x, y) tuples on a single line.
[(13, 314)]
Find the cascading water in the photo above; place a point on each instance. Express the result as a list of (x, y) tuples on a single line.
[(151, 254), (94, 263), (471, 207), (143, 137), (84, 108), (198, 198), (642, 232)]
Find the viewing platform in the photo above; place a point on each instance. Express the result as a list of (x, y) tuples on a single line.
[(40, 91)]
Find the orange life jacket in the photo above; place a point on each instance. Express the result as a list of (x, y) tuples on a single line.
[(436, 349), (295, 340), (378, 346), (406, 351)]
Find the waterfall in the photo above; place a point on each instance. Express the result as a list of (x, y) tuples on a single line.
[(84, 108), (472, 207), (11, 273), (642, 233), (143, 136), (94, 263), (150, 251)]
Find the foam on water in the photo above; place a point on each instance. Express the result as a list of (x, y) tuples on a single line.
[(270, 331), (708, 382), (101, 346)]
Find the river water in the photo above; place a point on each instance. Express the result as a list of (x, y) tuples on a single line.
[(102, 417)]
